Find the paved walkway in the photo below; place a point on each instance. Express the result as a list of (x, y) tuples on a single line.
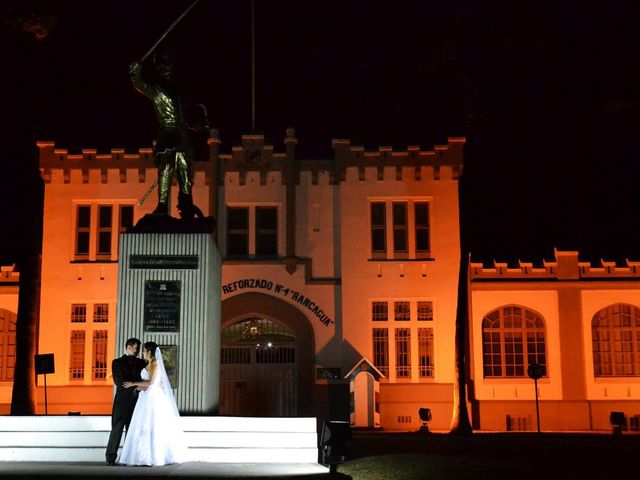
[(194, 470)]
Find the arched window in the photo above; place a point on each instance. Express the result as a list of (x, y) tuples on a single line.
[(7, 344), (616, 341), (269, 341), (513, 338)]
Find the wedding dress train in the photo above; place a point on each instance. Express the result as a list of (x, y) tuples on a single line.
[(154, 436)]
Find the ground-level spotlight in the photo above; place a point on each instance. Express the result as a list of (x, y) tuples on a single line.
[(618, 422), (425, 418), (333, 443)]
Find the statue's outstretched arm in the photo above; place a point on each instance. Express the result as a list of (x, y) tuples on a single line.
[(135, 72)]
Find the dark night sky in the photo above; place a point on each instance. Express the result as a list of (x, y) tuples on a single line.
[(547, 95)]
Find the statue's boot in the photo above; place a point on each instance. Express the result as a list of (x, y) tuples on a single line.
[(185, 206), (161, 209)]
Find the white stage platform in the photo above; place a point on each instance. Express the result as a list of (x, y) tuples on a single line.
[(210, 439)]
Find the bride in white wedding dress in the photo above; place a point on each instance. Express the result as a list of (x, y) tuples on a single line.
[(154, 436)]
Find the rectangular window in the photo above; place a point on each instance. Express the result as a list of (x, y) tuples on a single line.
[(8, 357), (266, 231), (378, 230), (101, 312), (105, 213), (83, 230), (601, 357), (513, 354), (99, 363), (379, 311), (492, 359), (381, 350), (425, 311), (78, 313), (400, 228), (623, 350), (126, 217), (403, 353), (237, 231), (7, 346), (421, 210), (401, 311), (536, 350), (425, 352), (76, 360)]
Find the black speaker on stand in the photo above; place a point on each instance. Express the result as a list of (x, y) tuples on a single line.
[(45, 364)]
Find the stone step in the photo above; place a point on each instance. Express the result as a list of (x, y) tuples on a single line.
[(68, 423), (210, 439), (213, 455), (194, 439)]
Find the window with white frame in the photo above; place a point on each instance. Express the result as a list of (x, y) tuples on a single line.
[(76, 355), (615, 334), (95, 237), (100, 312), (409, 232), (99, 356), (403, 352), (88, 338), (125, 218), (425, 352), (380, 311), (381, 350), (402, 311), (105, 219), (238, 230), (252, 230), (378, 230), (425, 310), (83, 231), (266, 231), (403, 345), (7, 344), (400, 229), (422, 229), (78, 313), (513, 337)]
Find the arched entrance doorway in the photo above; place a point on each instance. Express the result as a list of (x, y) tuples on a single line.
[(258, 369), (266, 358)]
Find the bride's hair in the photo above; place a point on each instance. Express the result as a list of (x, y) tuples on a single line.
[(151, 348)]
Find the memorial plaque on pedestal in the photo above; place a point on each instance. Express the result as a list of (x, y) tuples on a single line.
[(170, 359), (162, 306), (167, 262)]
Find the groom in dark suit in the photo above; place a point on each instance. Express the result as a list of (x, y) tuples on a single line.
[(127, 368)]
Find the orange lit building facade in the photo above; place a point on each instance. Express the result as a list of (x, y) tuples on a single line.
[(580, 322), (346, 266), (8, 312)]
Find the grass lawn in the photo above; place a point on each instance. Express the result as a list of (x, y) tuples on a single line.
[(521, 456)]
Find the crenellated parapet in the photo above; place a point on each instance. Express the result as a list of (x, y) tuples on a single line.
[(565, 267), (253, 155), (385, 163), (58, 165), (255, 161)]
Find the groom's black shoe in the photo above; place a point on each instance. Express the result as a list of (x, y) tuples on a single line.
[(111, 461)]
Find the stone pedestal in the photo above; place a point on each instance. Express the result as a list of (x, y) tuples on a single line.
[(169, 293)]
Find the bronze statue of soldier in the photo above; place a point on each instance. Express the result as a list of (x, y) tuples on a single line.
[(172, 151)]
